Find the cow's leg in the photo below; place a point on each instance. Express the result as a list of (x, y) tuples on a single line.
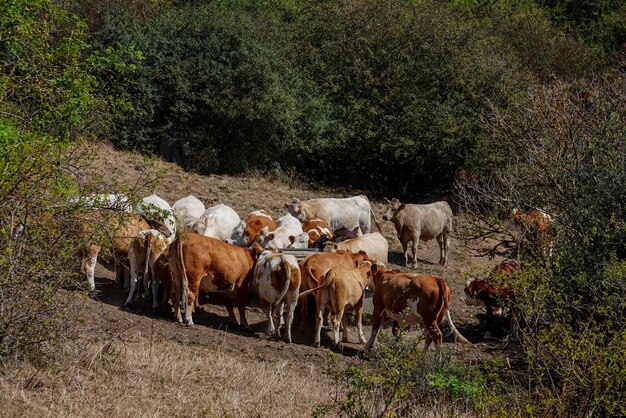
[(290, 308), (231, 312), (156, 284), (359, 323), (90, 271), (270, 321), (132, 261), (394, 328), (405, 248), (414, 246), (318, 325), (242, 296), (442, 251), (304, 306), (336, 323), (191, 299), (377, 319), (489, 310), (278, 317), (344, 324)]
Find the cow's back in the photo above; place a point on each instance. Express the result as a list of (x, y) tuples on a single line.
[(348, 212), (315, 265), (431, 219), (374, 244)]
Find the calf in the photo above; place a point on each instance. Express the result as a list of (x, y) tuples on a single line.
[(211, 265), (426, 297), (277, 280), (343, 289), (374, 244), (494, 291)]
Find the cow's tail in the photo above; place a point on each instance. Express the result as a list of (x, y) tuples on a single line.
[(185, 281), (325, 284), (444, 297), (148, 244), (286, 270), (376, 221)]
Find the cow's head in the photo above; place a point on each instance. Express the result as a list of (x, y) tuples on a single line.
[(299, 241), (343, 234), (393, 207), (366, 272), (295, 209), (330, 247), (470, 291), (238, 235), (264, 238), (256, 250)]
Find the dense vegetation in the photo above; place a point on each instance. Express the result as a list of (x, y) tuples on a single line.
[(510, 103)]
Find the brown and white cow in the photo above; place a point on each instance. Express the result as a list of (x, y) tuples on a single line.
[(421, 222), (119, 231), (314, 266), (414, 298), (277, 281), (374, 244), (211, 265), (343, 289), (143, 252), (245, 233), (317, 228), (535, 226), (494, 291), (287, 228), (349, 212)]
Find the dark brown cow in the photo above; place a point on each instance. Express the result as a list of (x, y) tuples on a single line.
[(211, 265), (426, 297), (493, 291)]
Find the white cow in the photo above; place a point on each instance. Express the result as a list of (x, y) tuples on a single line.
[(217, 222), (117, 201), (156, 209), (350, 212), (287, 228), (374, 244), (421, 222), (143, 252), (277, 280), (300, 241), (187, 210)]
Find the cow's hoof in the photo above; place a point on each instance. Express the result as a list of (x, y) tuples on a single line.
[(287, 340), (93, 294), (316, 344), (245, 328), (338, 347)]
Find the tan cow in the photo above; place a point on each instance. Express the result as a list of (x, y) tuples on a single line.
[(415, 298), (374, 244), (211, 265), (421, 222), (314, 266), (120, 230), (343, 289), (143, 252), (245, 233), (349, 212), (277, 280), (535, 226)]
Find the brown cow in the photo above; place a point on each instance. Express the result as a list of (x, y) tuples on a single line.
[(211, 265), (314, 266), (315, 229), (535, 226), (163, 277), (245, 233), (494, 291), (343, 289), (426, 297)]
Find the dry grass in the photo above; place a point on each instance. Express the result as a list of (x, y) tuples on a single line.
[(140, 376)]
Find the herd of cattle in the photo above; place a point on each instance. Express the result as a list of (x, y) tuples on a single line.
[(174, 252)]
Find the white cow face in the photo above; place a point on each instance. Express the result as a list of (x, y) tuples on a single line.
[(264, 237), (237, 236), (299, 241)]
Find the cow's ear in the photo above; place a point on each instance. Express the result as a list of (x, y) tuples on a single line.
[(402, 206), (286, 205), (264, 231), (292, 238), (386, 201), (271, 236)]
